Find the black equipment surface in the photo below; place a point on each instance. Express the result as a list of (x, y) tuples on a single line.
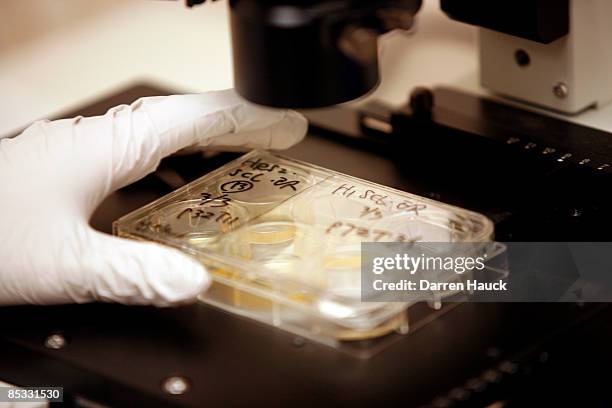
[(543, 21), (474, 355)]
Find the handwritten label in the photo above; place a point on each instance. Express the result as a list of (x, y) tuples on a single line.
[(148, 225), (196, 214), (240, 185), (256, 170), (346, 229), (381, 200), (215, 201)]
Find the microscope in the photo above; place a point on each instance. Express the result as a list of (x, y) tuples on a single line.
[(529, 146), (523, 149)]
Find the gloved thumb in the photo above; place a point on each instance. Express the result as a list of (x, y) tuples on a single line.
[(131, 272)]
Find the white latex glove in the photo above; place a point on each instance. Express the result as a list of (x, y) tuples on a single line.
[(55, 174)]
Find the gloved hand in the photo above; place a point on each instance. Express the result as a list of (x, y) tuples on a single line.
[(55, 174)]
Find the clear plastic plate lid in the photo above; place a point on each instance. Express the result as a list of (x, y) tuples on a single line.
[(292, 232)]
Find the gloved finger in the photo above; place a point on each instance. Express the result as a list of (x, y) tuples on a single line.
[(130, 272), (280, 135), (152, 128)]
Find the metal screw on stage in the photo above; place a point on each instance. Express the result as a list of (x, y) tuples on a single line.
[(55, 341), (175, 385)]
